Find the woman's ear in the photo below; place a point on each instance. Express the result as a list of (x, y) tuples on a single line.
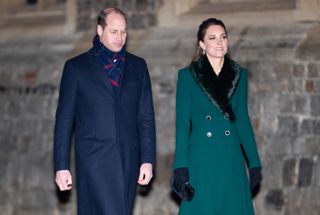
[(202, 46)]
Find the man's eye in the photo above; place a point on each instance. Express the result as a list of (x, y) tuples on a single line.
[(212, 38), (224, 37)]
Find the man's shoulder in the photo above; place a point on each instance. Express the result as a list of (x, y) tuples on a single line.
[(80, 58), (134, 58)]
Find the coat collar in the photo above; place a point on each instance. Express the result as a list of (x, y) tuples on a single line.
[(101, 76), (98, 70), (218, 89)]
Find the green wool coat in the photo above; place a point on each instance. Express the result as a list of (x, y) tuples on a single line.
[(209, 143)]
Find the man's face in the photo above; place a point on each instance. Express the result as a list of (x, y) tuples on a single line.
[(114, 34)]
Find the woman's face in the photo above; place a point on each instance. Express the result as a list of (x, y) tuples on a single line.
[(215, 42)]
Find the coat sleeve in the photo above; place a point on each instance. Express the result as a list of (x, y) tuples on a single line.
[(243, 123), (183, 107), (146, 121), (64, 119)]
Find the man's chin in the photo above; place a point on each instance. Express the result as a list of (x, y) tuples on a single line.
[(117, 49)]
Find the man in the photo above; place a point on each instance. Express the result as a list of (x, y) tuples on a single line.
[(106, 98)]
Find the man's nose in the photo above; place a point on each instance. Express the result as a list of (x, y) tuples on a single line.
[(120, 36)]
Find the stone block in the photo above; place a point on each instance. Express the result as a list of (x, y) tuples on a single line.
[(272, 170), (302, 201), (264, 88), (298, 70), (269, 104), (284, 86), (283, 70), (306, 144), (268, 124), (260, 72), (309, 86), (252, 66), (310, 126), (314, 105), (288, 125), (317, 86), (289, 176), (286, 103), (297, 86), (301, 104), (254, 105), (305, 172), (255, 123), (275, 199), (30, 77), (280, 144), (313, 70), (308, 49), (15, 107), (317, 170), (6, 209)]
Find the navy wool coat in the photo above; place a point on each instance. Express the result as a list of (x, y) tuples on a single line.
[(114, 132)]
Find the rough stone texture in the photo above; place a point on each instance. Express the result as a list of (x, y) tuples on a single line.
[(305, 172), (289, 172), (140, 14), (29, 82), (275, 199), (304, 201), (284, 96)]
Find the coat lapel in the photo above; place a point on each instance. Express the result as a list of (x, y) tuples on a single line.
[(123, 76), (127, 71), (219, 89)]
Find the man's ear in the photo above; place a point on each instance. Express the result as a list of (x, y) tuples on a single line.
[(99, 30)]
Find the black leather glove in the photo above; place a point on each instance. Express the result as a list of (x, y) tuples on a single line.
[(180, 184), (255, 177), (180, 177)]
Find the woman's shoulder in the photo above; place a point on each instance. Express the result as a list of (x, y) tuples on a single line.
[(243, 73), (184, 72)]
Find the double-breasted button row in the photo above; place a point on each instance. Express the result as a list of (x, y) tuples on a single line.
[(226, 132), (208, 117)]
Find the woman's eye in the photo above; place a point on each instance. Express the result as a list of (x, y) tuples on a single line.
[(212, 38)]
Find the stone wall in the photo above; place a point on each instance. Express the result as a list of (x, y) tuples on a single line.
[(284, 106), (284, 91), (140, 14), (29, 80)]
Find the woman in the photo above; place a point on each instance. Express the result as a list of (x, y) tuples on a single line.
[(212, 126)]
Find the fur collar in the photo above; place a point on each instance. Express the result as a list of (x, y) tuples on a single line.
[(219, 89)]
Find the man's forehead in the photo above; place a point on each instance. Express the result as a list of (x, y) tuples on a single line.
[(115, 17), (116, 28)]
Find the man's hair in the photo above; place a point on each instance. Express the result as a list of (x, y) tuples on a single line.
[(103, 14)]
